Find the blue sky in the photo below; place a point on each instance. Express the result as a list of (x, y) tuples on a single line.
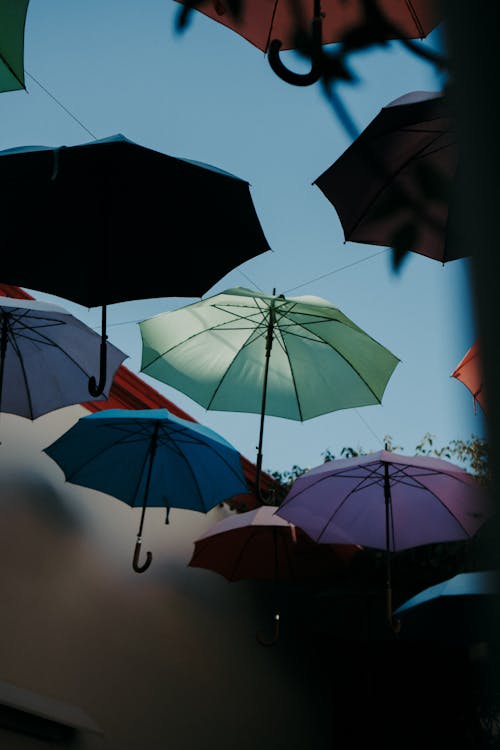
[(120, 67)]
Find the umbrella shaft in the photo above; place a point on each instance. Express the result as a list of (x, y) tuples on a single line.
[(269, 344), (3, 350), (152, 452)]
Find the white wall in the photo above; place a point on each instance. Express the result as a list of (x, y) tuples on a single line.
[(165, 658)]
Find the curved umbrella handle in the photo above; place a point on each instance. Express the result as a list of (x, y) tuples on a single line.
[(275, 637), (97, 388), (135, 564), (289, 76), (301, 79)]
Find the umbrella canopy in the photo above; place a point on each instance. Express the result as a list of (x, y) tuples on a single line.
[(46, 355), (469, 371), (393, 185), (272, 25), (12, 23), (150, 457), (115, 210), (464, 608), (246, 351), (387, 501), (259, 545), (261, 21)]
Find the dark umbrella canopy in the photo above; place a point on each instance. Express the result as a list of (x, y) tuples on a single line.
[(394, 185), (113, 221), (464, 609)]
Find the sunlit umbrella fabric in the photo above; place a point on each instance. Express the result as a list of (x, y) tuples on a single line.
[(214, 351), (46, 355)]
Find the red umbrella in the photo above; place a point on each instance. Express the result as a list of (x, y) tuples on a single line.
[(469, 372), (259, 545), (393, 185), (272, 25)]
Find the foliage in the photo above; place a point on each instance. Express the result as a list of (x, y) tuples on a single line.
[(471, 454)]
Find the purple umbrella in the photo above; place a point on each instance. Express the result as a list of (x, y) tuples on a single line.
[(387, 501)]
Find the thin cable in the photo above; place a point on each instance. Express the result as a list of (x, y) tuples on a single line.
[(252, 282), (336, 270), (61, 105), (369, 428)]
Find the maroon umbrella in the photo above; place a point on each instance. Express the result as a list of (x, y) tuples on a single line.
[(273, 25), (393, 186), (259, 545), (387, 501)]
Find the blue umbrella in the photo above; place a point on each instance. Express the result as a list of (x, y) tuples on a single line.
[(462, 609), (150, 457)]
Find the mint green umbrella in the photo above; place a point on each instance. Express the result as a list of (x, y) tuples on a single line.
[(12, 21), (245, 351)]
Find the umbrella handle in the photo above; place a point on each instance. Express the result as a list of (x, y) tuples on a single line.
[(275, 637), (135, 564), (301, 79), (97, 388), (287, 75)]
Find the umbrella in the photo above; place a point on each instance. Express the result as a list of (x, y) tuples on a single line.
[(387, 501), (469, 372), (393, 185), (150, 457), (218, 352), (464, 608), (110, 214), (259, 545), (46, 355), (12, 22), (274, 25)]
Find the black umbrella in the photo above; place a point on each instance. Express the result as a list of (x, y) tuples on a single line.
[(395, 185), (114, 221)]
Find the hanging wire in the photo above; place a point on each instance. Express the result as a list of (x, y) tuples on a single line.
[(369, 428), (60, 104), (337, 270)]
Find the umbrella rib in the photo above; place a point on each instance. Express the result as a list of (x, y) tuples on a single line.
[(100, 451), (45, 340), (228, 368), (426, 489), (388, 179), (17, 350), (335, 349), (251, 536), (211, 448), (216, 327)]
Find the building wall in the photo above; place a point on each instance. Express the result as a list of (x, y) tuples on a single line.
[(166, 658)]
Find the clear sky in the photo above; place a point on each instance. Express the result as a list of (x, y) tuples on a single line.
[(208, 95)]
